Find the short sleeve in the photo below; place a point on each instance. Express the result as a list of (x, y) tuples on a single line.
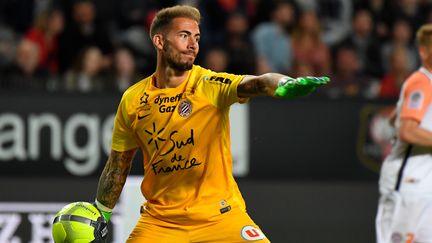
[(221, 88), (416, 96), (123, 138)]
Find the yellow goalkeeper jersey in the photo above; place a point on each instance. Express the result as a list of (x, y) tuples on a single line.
[(184, 135)]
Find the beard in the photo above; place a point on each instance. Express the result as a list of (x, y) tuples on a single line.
[(174, 61)]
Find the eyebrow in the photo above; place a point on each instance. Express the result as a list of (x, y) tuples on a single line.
[(189, 33)]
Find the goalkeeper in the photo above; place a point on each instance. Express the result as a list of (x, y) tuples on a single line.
[(178, 118)]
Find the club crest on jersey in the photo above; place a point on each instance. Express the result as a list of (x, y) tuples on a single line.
[(185, 108), (250, 233)]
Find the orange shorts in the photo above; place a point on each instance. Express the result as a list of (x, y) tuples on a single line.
[(235, 227)]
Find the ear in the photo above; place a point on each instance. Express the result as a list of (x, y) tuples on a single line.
[(158, 41), (422, 52)]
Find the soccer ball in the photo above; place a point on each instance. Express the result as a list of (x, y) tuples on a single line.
[(79, 222)]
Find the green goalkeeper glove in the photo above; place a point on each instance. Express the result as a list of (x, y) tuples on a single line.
[(296, 87)]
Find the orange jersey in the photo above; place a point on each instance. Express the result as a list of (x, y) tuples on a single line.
[(406, 212), (416, 95), (414, 103), (183, 133)]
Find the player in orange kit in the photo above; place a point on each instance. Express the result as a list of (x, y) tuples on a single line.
[(178, 117), (405, 206)]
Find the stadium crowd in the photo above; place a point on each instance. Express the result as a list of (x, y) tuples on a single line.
[(87, 46)]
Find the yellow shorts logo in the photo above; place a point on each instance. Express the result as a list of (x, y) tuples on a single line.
[(251, 233)]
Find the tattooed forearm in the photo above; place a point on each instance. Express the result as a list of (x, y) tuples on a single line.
[(253, 87), (261, 85), (114, 176)]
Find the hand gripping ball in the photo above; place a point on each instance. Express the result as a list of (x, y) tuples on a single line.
[(79, 222)]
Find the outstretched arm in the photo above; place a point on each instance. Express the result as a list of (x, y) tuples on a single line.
[(278, 85), (263, 85), (112, 179)]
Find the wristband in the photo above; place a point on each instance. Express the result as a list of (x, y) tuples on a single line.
[(105, 211)]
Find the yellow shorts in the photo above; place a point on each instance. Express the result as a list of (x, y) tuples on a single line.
[(235, 227)]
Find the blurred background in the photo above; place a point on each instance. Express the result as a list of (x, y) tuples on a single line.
[(308, 168)]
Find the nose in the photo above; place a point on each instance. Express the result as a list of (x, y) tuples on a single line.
[(193, 43)]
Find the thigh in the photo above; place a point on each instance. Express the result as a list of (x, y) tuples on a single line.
[(406, 219), (395, 219), (149, 230), (423, 229), (233, 228), (388, 207)]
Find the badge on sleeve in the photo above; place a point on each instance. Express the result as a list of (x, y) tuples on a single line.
[(415, 100)]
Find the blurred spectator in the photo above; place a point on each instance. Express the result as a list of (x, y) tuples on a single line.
[(131, 13), (44, 33), (308, 46), (24, 73), (8, 43), (215, 14), (247, 36), (347, 79), (27, 57), (125, 73), (136, 38), (272, 40), (237, 43), (263, 9), (365, 43), (381, 15), (82, 32), (401, 37), (216, 59), (415, 11), (134, 12), (398, 71), (334, 18), (86, 75)]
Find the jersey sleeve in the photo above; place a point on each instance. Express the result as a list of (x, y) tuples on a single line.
[(416, 97), (221, 88), (123, 138)]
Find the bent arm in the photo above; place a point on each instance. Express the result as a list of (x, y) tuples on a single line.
[(262, 85), (411, 132), (114, 176)]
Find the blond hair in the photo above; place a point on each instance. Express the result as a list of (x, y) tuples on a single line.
[(424, 35), (164, 17)]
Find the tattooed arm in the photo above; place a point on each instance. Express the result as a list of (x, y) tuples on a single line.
[(263, 85), (113, 177), (279, 85)]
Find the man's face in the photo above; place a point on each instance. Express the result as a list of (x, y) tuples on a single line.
[(180, 46)]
